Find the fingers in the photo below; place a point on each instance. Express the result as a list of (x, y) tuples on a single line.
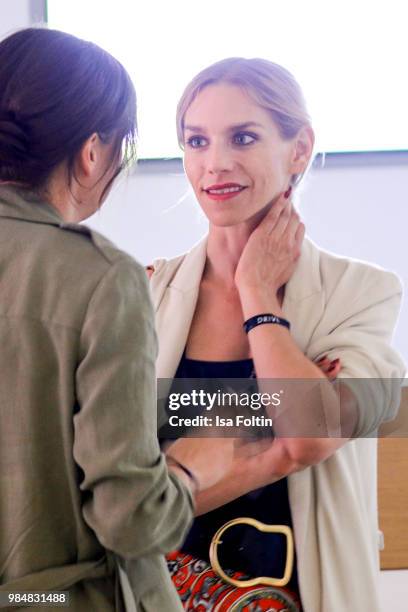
[(282, 223), (299, 237), (334, 370), (286, 226), (273, 217), (273, 248), (149, 271), (324, 363), (329, 367), (292, 226)]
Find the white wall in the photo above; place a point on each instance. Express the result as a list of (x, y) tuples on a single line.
[(355, 207), (14, 14)]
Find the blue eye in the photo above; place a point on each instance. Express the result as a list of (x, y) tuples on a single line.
[(244, 138), (196, 142)]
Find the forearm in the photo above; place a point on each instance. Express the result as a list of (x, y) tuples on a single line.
[(130, 501), (247, 474), (220, 494), (275, 353), (228, 489), (312, 409)]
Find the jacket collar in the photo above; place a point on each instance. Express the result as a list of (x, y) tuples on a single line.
[(20, 203), (25, 205), (176, 300)]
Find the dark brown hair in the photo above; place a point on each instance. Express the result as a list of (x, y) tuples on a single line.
[(55, 91)]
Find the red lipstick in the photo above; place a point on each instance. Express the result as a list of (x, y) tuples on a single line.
[(224, 191)]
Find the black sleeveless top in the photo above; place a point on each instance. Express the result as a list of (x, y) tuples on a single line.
[(244, 548)]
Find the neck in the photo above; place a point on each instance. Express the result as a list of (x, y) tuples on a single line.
[(60, 197), (224, 249)]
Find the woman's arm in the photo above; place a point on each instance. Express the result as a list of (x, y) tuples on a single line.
[(258, 465), (266, 264), (362, 312), (129, 500)]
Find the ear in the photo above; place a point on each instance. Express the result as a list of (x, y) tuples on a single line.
[(302, 150), (88, 157)]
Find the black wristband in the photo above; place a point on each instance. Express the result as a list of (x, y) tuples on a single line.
[(171, 460), (264, 318)]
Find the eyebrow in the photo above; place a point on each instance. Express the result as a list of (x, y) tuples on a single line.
[(231, 128)]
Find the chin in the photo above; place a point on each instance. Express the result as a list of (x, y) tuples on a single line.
[(229, 215), (227, 219)]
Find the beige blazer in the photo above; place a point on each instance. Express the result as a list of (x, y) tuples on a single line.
[(344, 309)]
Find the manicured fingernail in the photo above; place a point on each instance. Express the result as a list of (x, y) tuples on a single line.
[(288, 192)]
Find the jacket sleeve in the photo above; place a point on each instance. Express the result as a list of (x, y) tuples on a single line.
[(357, 327), (131, 501)]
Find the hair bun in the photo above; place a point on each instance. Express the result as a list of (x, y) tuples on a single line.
[(13, 137)]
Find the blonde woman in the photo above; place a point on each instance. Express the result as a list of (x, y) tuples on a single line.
[(247, 141)]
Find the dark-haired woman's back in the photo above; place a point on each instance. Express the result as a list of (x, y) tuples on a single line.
[(82, 472), (74, 313)]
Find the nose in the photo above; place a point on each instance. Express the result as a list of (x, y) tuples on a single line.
[(218, 159)]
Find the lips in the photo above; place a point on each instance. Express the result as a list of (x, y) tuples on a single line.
[(224, 188), (224, 191)]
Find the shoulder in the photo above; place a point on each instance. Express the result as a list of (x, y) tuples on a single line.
[(163, 268), (94, 242), (94, 263), (353, 316), (95, 252), (160, 274), (188, 267), (340, 275)]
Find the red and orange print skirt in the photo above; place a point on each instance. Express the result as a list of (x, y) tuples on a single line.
[(202, 590)]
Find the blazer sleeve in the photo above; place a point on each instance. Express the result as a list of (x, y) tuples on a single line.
[(357, 325), (131, 501)]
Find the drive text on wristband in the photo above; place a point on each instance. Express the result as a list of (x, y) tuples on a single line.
[(261, 319)]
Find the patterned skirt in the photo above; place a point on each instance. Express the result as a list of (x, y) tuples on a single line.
[(202, 590)]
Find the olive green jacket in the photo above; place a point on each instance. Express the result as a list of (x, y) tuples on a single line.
[(81, 469)]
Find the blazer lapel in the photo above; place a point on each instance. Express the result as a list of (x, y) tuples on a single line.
[(176, 310), (304, 301), (175, 299)]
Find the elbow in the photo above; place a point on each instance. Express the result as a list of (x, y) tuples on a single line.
[(146, 537), (155, 526), (114, 540), (303, 452), (289, 456), (121, 535), (306, 452)]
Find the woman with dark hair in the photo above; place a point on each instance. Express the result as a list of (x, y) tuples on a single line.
[(78, 345)]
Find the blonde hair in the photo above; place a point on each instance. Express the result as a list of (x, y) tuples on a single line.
[(271, 86)]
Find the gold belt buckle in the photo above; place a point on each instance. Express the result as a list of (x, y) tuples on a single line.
[(270, 581)]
